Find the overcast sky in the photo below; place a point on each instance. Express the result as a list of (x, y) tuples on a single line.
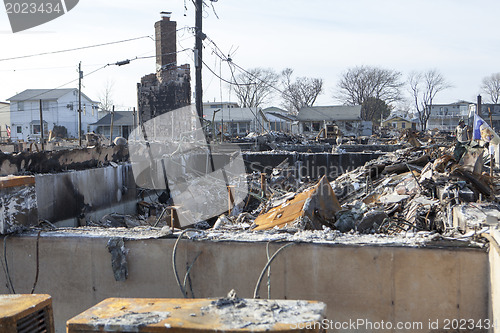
[(316, 38)]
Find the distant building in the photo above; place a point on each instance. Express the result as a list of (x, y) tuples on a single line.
[(348, 119), (4, 120), (280, 120), (170, 87), (399, 123), (237, 121), (485, 114), (220, 105), (60, 107), (123, 124), (445, 117)]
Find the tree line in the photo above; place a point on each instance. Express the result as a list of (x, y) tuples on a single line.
[(376, 89)]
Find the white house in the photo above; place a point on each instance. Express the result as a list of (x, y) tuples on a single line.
[(445, 117), (348, 119), (60, 107), (280, 120)]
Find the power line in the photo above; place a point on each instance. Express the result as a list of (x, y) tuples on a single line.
[(218, 52), (75, 49), (65, 84), (41, 68)]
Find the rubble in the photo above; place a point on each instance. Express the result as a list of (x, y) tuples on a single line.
[(430, 186)]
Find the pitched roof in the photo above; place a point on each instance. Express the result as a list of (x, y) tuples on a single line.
[(281, 115), (274, 109), (330, 113), (44, 94), (396, 117), (122, 118)]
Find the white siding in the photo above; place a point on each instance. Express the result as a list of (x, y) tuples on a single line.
[(62, 112)]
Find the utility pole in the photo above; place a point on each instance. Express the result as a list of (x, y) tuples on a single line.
[(135, 121), (80, 76), (198, 58), (41, 127), (479, 106), (111, 128)]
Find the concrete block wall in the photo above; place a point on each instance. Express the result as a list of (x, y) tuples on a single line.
[(86, 194), (495, 279), (373, 283)]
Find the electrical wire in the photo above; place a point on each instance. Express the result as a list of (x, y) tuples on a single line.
[(75, 49), (37, 262), (174, 253), (7, 264), (257, 286), (187, 276)]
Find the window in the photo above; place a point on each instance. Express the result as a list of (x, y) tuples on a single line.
[(403, 125), (306, 127), (45, 105), (19, 129), (20, 106), (315, 126), (35, 129), (234, 128), (244, 127)]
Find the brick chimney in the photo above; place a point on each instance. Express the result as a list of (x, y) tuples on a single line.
[(166, 42)]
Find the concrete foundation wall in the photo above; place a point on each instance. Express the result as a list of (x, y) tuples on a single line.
[(393, 284), (86, 194), (495, 279)]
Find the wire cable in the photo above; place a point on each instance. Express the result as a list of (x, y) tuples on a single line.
[(174, 253), (37, 261), (257, 286), (75, 49), (7, 264)]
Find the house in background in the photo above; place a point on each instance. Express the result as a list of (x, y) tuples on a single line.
[(445, 117), (399, 123), (348, 119), (123, 124), (485, 114), (280, 120), (220, 105), (4, 120), (60, 107), (237, 121)]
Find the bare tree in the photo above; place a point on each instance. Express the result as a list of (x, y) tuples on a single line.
[(360, 83), (491, 87), (300, 93), (106, 96), (255, 86), (424, 87)]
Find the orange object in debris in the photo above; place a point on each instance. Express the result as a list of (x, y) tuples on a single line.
[(199, 315), (318, 204), (26, 313), (15, 181)]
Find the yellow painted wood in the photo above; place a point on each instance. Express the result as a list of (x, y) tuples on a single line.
[(14, 181), (185, 315), (15, 307)]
